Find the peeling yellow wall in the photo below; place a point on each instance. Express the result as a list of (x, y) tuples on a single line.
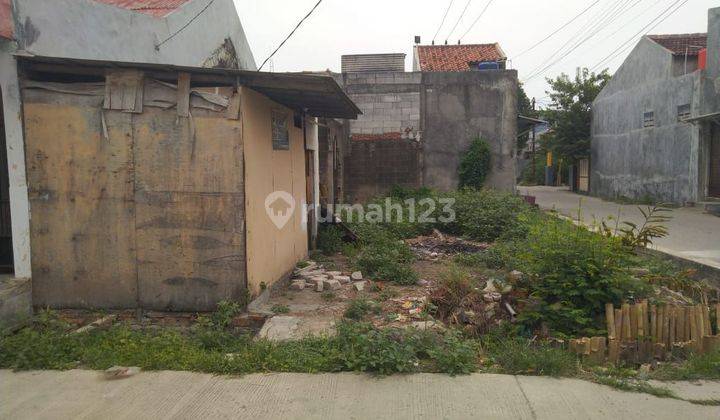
[(271, 252)]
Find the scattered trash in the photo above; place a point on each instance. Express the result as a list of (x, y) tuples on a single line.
[(438, 246), (97, 323), (121, 372)]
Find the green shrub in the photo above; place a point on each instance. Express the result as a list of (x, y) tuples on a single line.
[(383, 256), (360, 308), (330, 239), (520, 356), (475, 164), (488, 215), (572, 274)]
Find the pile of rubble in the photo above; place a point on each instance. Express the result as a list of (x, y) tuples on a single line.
[(315, 277), (439, 245), (474, 309)]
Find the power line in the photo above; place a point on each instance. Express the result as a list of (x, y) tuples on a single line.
[(597, 18), (559, 29), (458, 21), (182, 28), (612, 14), (291, 33), (443, 20), (645, 28), (478, 18)]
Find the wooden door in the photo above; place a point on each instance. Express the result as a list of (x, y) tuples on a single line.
[(714, 184)]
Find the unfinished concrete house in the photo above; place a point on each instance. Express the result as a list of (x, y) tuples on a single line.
[(139, 178), (415, 126), (655, 132)]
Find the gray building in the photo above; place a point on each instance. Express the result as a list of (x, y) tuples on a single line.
[(416, 125), (654, 130)]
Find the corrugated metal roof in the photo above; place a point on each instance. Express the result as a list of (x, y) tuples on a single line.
[(679, 44), (318, 96), (357, 63), (157, 8), (456, 57)]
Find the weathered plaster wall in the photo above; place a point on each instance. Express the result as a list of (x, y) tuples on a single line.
[(90, 30), (631, 161), (416, 126), (271, 252), (459, 107)]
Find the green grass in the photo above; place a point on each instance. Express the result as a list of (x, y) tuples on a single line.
[(702, 366), (210, 348), (280, 309), (518, 356)]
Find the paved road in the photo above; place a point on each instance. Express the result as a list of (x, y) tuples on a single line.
[(184, 395), (694, 235)]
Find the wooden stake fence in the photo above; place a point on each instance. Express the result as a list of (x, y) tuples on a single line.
[(641, 332)]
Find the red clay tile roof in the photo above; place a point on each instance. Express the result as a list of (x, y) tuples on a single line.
[(157, 8), (457, 57), (372, 137), (680, 43)]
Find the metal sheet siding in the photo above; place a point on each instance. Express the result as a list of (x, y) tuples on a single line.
[(373, 62)]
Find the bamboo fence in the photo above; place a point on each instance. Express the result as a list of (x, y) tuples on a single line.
[(640, 332)]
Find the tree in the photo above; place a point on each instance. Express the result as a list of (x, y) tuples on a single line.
[(570, 110), (475, 165)]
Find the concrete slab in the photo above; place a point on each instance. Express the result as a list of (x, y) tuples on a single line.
[(693, 390), (181, 395), (693, 234), (279, 328)]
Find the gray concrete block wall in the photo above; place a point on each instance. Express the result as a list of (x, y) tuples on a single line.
[(629, 160), (390, 102), (460, 107)]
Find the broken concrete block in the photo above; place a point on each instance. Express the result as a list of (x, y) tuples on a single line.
[(332, 274), (359, 286), (316, 279), (121, 372), (423, 283), (332, 284), (356, 276), (490, 287), (320, 286), (342, 279), (515, 276), (297, 285)]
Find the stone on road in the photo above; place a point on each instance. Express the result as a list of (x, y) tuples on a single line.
[(185, 395)]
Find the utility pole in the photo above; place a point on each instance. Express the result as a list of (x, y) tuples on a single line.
[(534, 167)]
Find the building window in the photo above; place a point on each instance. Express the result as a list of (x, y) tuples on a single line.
[(649, 119), (683, 112), (280, 135)]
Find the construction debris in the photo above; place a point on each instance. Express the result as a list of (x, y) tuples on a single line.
[(97, 323), (438, 246), (121, 372)]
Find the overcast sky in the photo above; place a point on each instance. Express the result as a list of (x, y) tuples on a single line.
[(379, 26)]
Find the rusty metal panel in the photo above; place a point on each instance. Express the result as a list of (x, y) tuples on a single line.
[(190, 209), (81, 196)]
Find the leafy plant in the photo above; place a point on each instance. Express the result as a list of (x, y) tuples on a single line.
[(280, 309), (330, 239), (519, 356), (475, 164), (488, 215), (572, 274), (360, 308), (632, 235)]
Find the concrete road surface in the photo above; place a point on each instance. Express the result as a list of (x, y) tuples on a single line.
[(694, 235), (183, 395)]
